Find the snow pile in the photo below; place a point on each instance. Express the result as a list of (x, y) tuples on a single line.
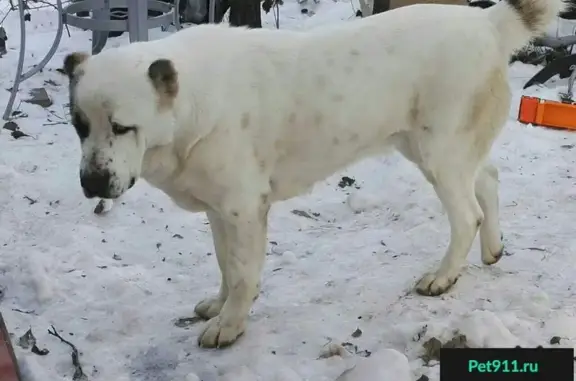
[(384, 365), (560, 324), (362, 202), (240, 374), (192, 377), (483, 329)]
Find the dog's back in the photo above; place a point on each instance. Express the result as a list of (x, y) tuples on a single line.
[(350, 86)]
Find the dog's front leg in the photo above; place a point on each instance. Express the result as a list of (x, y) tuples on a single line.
[(245, 231), (209, 308)]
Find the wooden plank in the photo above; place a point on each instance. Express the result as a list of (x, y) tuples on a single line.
[(8, 366)]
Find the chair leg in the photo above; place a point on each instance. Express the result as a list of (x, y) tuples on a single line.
[(20, 76), (563, 66), (137, 20), (117, 14), (567, 96), (100, 38)]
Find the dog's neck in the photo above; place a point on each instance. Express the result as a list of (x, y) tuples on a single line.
[(160, 163)]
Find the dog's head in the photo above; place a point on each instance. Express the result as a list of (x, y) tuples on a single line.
[(120, 106)]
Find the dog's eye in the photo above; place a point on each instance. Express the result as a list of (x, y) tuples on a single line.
[(119, 129)]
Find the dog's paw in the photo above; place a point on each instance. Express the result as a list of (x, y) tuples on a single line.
[(209, 308), (433, 284), (492, 251), (104, 206), (489, 258), (220, 334)]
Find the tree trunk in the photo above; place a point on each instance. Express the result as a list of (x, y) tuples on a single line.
[(245, 13), (380, 6)]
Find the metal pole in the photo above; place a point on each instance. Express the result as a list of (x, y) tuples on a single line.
[(19, 77)]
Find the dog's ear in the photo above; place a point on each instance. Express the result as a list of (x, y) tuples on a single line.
[(164, 78), (72, 61)]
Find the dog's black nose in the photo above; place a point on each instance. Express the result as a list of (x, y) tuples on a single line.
[(96, 184)]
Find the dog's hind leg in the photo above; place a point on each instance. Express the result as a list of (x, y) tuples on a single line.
[(490, 115), (454, 185), (209, 308), (453, 160), (490, 234), (453, 179)]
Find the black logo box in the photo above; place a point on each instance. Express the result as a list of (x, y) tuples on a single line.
[(507, 364)]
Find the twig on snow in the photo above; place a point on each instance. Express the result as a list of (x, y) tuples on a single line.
[(53, 113), (54, 123), (5, 16), (31, 312), (277, 14), (78, 373)]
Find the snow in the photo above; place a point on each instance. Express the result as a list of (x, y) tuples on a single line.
[(484, 329), (114, 284), (240, 374), (388, 364)]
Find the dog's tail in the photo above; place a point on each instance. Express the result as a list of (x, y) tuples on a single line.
[(519, 21)]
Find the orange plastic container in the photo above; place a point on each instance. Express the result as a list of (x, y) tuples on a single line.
[(546, 113)]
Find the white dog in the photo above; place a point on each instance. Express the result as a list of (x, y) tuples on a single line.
[(250, 117)]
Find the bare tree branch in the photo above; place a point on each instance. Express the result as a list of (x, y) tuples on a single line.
[(78, 373)]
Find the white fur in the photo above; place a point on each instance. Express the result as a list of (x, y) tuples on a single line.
[(262, 115)]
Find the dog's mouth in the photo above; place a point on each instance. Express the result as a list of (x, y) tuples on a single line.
[(89, 194)]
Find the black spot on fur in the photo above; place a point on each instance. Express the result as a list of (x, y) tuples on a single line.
[(81, 125), (119, 129), (530, 12), (72, 61), (164, 77), (481, 4), (569, 11)]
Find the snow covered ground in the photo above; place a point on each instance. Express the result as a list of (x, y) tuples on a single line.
[(115, 285)]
